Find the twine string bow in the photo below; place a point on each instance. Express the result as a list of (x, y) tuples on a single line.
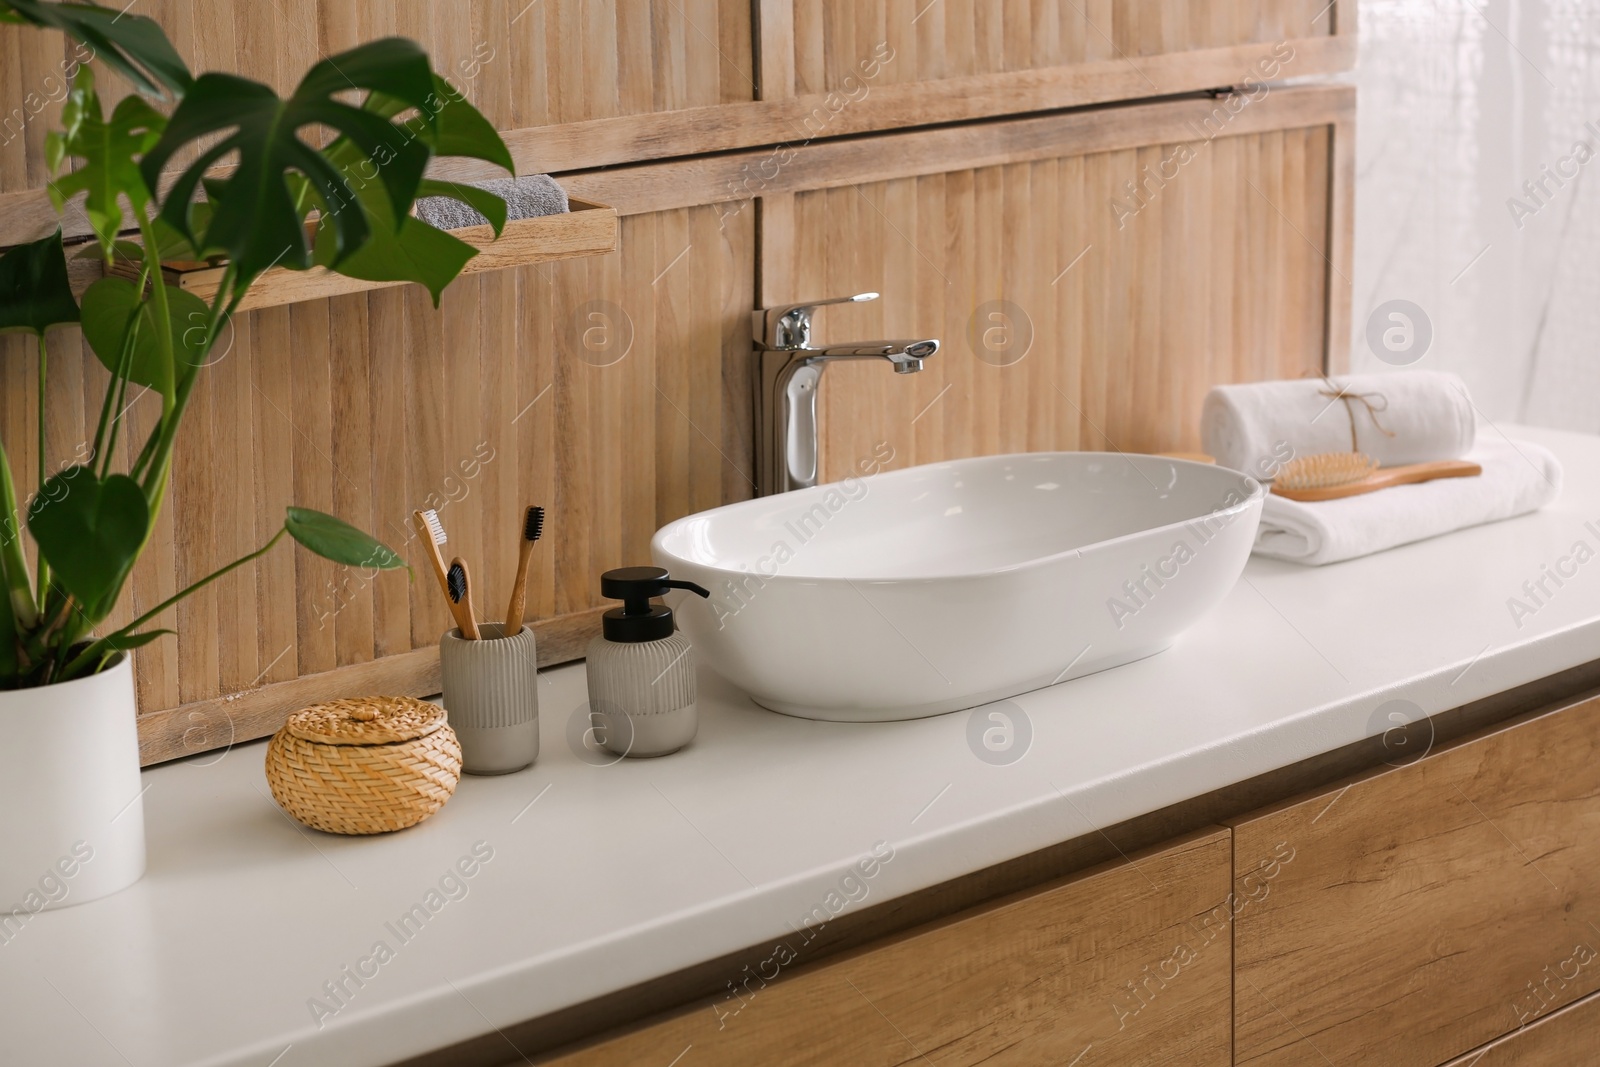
[(1374, 402)]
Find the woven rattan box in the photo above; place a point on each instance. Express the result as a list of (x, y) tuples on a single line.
[(364, 766)]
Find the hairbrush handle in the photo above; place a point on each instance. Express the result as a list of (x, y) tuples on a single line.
[(1385, 477)]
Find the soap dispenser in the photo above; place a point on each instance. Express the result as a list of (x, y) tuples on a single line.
[(641, 670)]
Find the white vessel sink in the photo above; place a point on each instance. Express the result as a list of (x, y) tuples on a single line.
[(942, 587)]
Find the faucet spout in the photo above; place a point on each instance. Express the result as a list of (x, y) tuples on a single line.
[(907, 356)]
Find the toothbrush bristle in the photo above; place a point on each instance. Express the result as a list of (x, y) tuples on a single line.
[(533, 523), (435, 527), (456, 579)]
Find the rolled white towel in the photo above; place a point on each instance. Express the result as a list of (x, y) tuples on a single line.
[(1518, 477), (1254, 428)]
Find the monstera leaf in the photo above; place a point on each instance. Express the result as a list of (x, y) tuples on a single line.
[(132, 45), (451, 127), (416, 251), (107, 152), (34, 292), (256, 217)]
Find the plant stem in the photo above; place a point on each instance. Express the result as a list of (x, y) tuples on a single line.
[(119, 389), (102, 448), (13, 563), (90, 652), (44, 362), (156, 474)]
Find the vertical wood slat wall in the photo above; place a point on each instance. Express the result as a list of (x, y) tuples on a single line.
[(1062, 329), (965, 37), (616, 390), (608, 389)]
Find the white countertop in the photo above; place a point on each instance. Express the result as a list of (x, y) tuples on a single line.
[(604, 876)]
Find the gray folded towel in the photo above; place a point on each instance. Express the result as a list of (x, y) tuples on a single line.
[(525, 197)]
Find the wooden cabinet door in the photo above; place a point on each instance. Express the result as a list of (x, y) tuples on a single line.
[(1427, 909), (1565, 1038), (1126, 965)]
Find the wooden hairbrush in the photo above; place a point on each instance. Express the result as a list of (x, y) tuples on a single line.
[(1333, 475)]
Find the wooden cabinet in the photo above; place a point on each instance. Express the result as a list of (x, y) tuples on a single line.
[(1566, 1038), (1429, 908), (1440, 913), (1127, 964)]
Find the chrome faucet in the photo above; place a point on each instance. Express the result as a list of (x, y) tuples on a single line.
[(788, 371)]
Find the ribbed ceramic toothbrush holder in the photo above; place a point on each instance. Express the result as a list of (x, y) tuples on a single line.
[(491, 690)]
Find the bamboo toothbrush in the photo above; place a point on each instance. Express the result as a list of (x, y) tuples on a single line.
[(459, 588), (431, 530), (532, 527)]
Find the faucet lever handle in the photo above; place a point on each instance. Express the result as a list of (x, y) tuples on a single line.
[(789, 325)]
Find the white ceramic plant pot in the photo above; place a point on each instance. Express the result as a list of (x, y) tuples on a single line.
[(71, 814)]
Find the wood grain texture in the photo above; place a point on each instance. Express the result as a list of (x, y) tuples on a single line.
[(523, 63), (933, 41), (732, 177), (1074, 313), (26, 214), (375, 404), (1342, 231), (1562, 1039), (1041, 977), (587, 230), (1429, 908)]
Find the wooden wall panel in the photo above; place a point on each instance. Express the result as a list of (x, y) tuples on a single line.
[(577, 84), (835, 40), (523, 63), (1068, 320), (613, 390)]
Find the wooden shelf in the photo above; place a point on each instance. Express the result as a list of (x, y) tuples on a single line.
[(589, 229)]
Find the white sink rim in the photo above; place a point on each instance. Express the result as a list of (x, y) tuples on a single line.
[(1255, 493)]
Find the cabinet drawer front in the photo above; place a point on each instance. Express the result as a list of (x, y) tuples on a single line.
[(1128, 965), (1428, 908), (1563, 1038)]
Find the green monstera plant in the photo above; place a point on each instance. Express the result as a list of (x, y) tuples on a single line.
[(216, 168)]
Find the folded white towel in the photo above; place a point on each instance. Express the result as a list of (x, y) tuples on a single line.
[(1518, 477), (1254, 428)]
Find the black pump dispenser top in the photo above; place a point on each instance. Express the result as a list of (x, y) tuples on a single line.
[(638, 619)]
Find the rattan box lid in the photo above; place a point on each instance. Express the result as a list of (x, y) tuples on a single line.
[(366, 721)]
